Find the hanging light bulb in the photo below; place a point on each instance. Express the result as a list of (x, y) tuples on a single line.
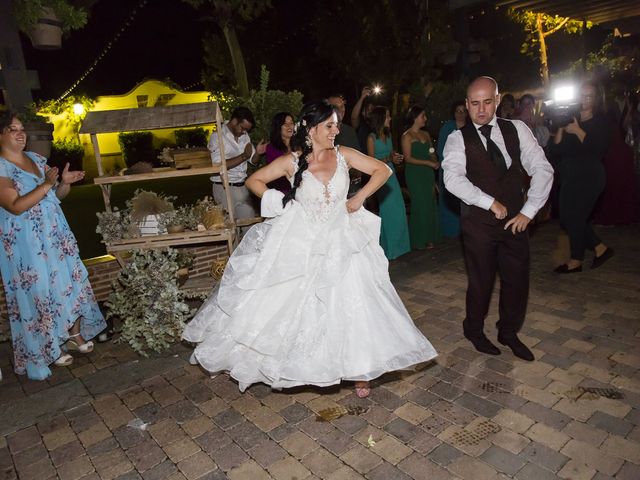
[(78, 108)]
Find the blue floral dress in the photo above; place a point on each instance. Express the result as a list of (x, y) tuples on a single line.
[(45, 282)]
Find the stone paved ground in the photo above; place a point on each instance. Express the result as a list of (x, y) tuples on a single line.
[(572, 414)]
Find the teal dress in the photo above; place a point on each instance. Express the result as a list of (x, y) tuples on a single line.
[(394, 233), (449, 205), (424, 226), (45, 282)]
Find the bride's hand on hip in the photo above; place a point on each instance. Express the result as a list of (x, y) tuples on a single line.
[(354, 204)]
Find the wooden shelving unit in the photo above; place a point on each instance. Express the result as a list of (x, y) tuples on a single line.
[(175, 116)]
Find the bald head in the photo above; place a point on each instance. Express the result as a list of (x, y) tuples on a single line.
[(482, 100), (483, 83)]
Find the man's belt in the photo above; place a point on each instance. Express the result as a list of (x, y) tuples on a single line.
[(237, 184)]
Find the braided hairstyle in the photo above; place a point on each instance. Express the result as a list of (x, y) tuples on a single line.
[(311, 115)]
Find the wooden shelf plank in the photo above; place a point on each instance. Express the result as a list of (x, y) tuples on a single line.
[(171, 239), (161, 173), (198, 285)]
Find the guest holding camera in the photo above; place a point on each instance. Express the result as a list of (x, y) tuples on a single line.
[(580, 146)]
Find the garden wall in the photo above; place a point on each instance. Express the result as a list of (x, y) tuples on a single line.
[(102, 274)]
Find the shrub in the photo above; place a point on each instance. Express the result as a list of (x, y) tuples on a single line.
[(147, 301), (137, 147), (192, 137), (66, 151)]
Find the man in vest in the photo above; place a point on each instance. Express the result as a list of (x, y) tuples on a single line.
[(484, 165)]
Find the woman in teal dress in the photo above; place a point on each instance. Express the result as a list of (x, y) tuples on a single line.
[(449, 205), (420, 165), (394, 233), (49, 299)]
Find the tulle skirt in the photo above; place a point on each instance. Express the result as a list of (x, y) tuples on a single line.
[(303, 302)]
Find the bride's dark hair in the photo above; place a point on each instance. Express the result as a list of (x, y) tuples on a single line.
[(311, 115)]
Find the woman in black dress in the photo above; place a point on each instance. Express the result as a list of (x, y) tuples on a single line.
[(580, 146)]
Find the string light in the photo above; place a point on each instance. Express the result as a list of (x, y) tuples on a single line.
[(106, 49)]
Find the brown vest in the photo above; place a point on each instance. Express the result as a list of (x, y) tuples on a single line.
[(506, 188)]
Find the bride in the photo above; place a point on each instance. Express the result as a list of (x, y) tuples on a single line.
[(306, 297)]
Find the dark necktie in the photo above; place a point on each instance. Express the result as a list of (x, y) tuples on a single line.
[(496, 155)]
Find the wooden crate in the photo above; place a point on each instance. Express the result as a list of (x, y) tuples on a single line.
[(191, 157)]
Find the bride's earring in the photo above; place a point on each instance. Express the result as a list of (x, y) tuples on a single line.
[(308, 141)]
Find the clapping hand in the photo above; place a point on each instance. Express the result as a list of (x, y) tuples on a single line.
[(51, 176), (70, 177)]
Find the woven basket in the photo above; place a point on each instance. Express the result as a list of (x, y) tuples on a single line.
[(213, 218), (217, 267)]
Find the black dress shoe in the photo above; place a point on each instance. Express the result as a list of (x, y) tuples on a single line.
[(597, 261), (518, 348), (564, 268), (484, 345)]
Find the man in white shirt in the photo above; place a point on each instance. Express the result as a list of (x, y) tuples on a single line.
[(238, 151), (485, 165)]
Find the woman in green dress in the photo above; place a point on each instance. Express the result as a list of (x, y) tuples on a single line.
[(394, 232), (421, 163)]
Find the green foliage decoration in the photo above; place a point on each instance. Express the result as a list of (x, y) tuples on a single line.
[(185, 216), (114, 225), (137, 147), (147, 301), (191, 137), (66, 151), (28, 12), (265, 103)]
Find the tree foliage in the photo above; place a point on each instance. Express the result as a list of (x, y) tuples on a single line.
[(397, 43), (538, 26), (229, 14), (265, 103)]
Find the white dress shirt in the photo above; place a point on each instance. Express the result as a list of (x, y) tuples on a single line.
[(232, 148), (532, 158)]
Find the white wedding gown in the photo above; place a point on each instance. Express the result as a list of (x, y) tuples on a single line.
[(306, 299)]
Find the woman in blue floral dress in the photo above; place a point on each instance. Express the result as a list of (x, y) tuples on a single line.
[(49, 299)]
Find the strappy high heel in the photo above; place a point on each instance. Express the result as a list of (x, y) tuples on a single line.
[(73, 346), (63, 360)]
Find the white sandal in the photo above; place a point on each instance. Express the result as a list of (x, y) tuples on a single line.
[(73, 346), (63, 360)]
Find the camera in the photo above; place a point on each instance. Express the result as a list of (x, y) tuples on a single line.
[(562, 109)]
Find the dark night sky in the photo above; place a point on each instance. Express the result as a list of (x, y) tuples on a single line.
[(165, 41)]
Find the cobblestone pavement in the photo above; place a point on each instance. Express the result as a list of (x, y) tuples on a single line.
[(573, 414)]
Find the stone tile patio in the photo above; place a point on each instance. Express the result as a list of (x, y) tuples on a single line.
[(572, 414)]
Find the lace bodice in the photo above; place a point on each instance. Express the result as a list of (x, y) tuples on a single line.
[(318, 200)]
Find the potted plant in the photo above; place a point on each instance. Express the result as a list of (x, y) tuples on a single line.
[(137, 151), (46, 20), (178, 220), (146, 210)]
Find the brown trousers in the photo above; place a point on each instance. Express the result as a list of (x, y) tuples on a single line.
[(489, 249)]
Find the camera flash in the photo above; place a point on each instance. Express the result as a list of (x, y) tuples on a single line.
[(377, 89), (564, 94)]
